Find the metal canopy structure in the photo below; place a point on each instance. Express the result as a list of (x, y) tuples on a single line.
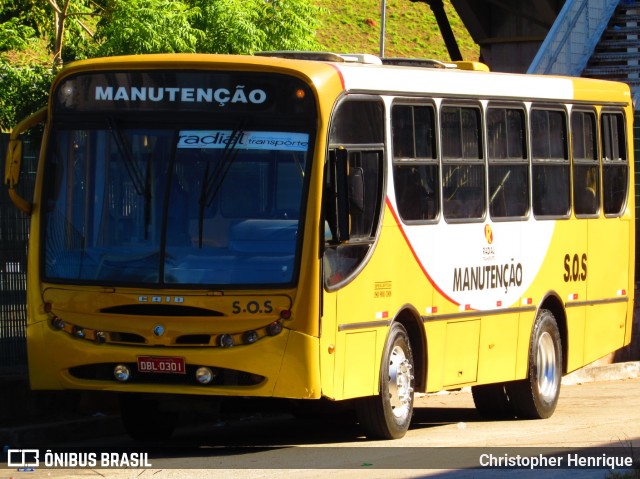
[(509, 33), (590, 38)]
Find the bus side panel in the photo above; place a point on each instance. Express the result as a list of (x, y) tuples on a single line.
[(575, 333), (358, 351), (436, 333), (360, 355), (328, 331), (607, 278), (498, 347), (461, 352), (573, 277)]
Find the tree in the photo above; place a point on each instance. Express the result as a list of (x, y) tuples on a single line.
[(147, 26), (24, 90), (289, 25), (248, 26), (32, 36), (37, 38), (68, 16), (206, 26)]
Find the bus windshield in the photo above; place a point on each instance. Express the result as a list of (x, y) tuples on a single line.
[(171, 202)]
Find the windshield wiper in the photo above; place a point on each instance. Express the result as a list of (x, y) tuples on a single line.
[(213, 180), (124, 148), (147, 197)]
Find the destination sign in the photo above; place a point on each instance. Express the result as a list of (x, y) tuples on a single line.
[(180, 90)]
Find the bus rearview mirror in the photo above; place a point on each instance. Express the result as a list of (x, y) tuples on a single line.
[(13, 165)]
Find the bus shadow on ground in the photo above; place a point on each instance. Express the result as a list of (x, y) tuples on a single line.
[(283, 429)]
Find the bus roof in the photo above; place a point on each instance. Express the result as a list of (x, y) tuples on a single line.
[(367, 73)]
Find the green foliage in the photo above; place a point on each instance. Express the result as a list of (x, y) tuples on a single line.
[(147, 26), (248, 26), (14, 35), (24, 91), (30, 13), (229, 26), (289, 25)]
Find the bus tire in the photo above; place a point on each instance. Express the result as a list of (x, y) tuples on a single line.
[(144, 420), (492, 401), (536, 396), (388, 415)]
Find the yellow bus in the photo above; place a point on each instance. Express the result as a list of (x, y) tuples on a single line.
[(318, 226)]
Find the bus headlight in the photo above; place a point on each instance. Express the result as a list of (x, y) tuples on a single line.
[(225, 341), (204, 375), (122, 373), (79, 332), (58, 323), (250, 337), (274, 328)]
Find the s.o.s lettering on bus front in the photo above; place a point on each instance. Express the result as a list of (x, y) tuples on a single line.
[(221, 96), (252, 307)]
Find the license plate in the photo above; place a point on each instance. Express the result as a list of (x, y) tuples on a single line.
[(165, 365)]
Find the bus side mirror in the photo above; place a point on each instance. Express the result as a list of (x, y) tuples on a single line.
[(14, 162), (13, 165)]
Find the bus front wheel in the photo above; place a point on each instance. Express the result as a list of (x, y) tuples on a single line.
[(536, 396), (388, 415)]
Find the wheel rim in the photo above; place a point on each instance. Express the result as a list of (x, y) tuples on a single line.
[(546, 364), (400, 383)]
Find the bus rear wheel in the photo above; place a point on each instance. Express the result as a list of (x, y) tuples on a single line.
[(388, 415), (536, 396)]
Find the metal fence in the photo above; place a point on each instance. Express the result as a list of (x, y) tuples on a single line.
[(14, 233)]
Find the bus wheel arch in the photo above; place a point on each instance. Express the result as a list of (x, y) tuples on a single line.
[(409, 317), (536, 396), (554, 304), (387, 415)]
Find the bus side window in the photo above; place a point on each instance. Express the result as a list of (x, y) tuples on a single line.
[(415, 167), (586, 171), (615, 170), (416, 196), (463, 170), (550, 160), (508, 165)]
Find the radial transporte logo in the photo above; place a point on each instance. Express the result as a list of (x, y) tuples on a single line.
[(488, 233)]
